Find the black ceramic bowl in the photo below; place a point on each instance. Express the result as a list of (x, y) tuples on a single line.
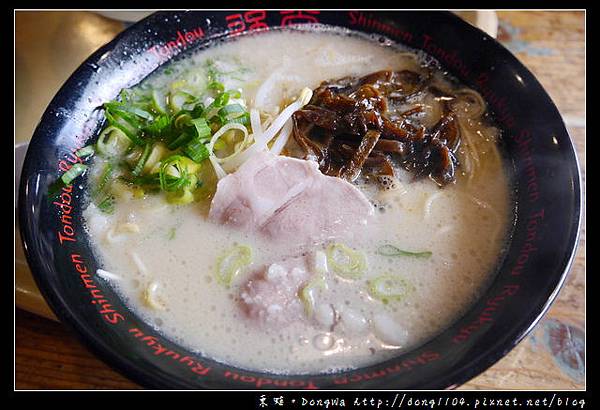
[(536, 144)]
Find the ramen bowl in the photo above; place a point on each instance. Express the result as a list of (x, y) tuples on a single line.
[(533, 267)]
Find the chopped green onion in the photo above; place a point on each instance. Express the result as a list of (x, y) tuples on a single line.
[(160, 126), (138, 192), (125, 96), (85, 151), (131, 131), (142, 161), (190, 166), (346, 262), (176, 85), (159, 102), (107, 205), (390, 250), (220, 101), (196, 150), (216, 122), (217, 86), (191, 106), (231, 111), (182, 120), (54, 188), (234, 94), (202, 128), (112, 141), (211, 71), (65, 179), (152, 181), (184, 195), (156, 138), (73, 172), (231, 262), (126, 111), (140, 113), (198, 110), (158, 152), (243, 119), (219, 145), (183, 139), (181, 197), (172, 174), (389, 287), (104, 178), (222, 132), (307, 294), (178, 99)]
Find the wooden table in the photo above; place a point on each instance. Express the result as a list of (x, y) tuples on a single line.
[(551, 44)]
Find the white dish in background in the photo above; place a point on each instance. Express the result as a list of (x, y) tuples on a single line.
[(486, 20), (127, 16)]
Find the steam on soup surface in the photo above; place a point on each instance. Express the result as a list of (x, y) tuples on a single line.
[(298, 202)]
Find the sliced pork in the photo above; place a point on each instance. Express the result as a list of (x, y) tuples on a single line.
[(288, 199), (271, 295)]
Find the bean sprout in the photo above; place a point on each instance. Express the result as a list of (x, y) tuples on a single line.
[(139, 264), (261, 140), (282, 139), (255, 121)]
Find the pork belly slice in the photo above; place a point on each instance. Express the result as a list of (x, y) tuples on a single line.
[(289, 199)]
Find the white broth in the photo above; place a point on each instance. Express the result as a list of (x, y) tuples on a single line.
[(165, 256)]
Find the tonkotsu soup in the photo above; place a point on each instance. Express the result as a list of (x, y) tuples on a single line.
[(298, 201)]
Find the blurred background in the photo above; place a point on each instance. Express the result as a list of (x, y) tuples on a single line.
[(50, 45)]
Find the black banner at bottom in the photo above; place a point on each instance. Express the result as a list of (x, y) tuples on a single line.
[(353, 399)]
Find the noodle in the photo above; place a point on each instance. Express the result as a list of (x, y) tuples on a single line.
[(465, 93), (110, 236), (139, 264), (492, 210), (429, 202), (107, 275), (255, 121), (150, 296), (472, 161)]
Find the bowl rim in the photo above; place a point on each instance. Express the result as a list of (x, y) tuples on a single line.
[(126, 366)]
